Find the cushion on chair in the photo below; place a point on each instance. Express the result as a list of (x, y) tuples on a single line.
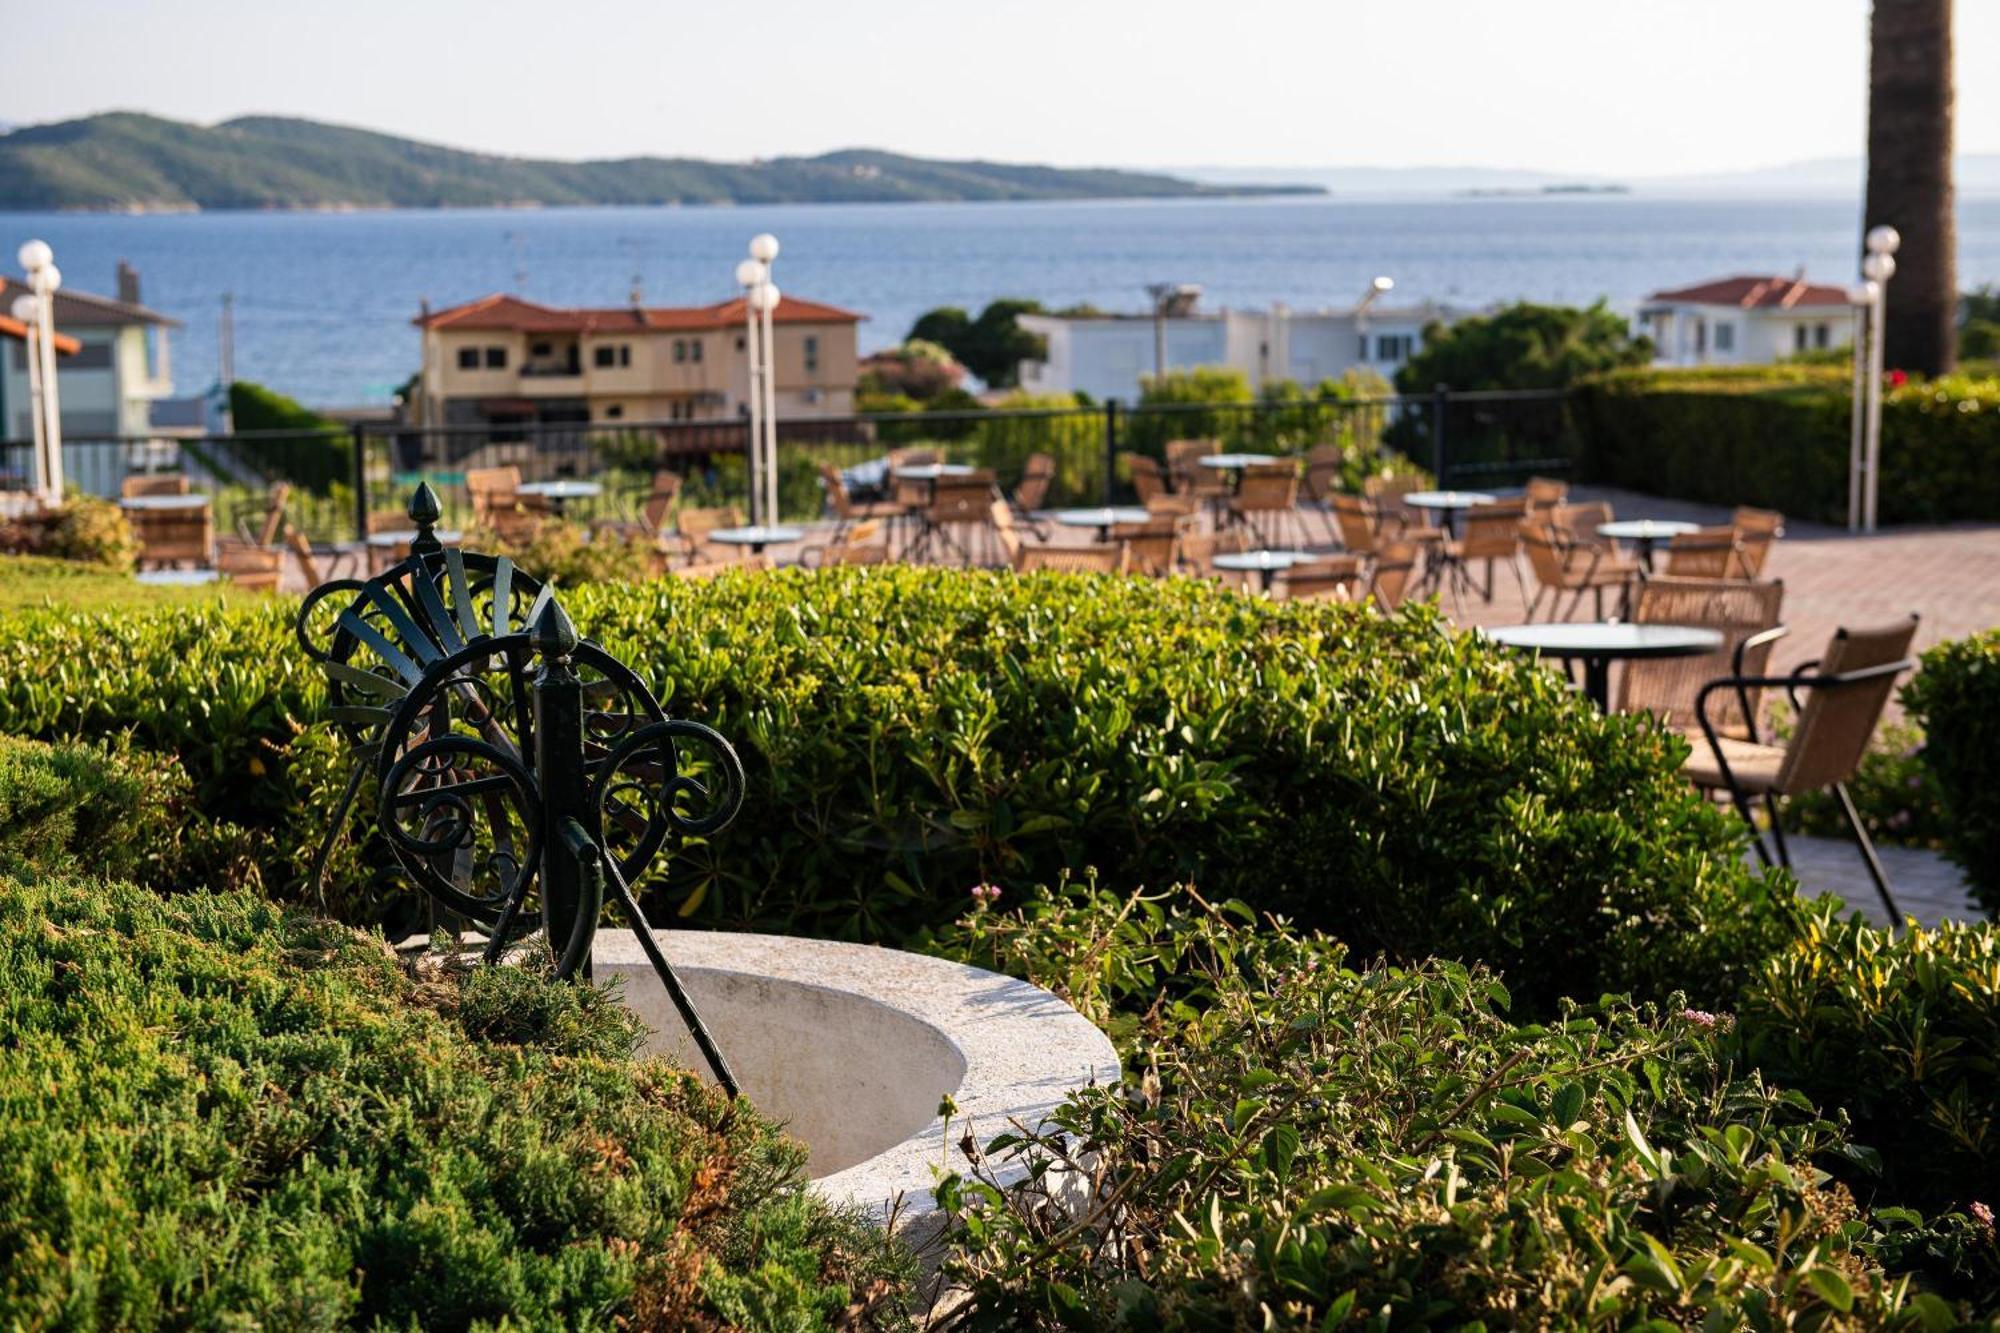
[(1755, 767)]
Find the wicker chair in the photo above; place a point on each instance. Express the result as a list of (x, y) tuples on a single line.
[(758, 562), (153, 483), (1324, 468), (1150, 548), (1492, 534), (1544, 495), (1360, 526), (1706, 553), (1199, 549), (1189, 477), (863, 543), (1398, 519), (1173, 505), (1756, 531), (1098, 559), (249, 565), (1394, 569), (1577, 525), (1031, 493), (1148, 477), (1745, 614), (1335, 579), (958, 504), (1562, 568), (848, 511), (692, 526), (1267, 500), (1844, 695)]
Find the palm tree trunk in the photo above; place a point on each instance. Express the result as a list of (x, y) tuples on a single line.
[(1909, 177)]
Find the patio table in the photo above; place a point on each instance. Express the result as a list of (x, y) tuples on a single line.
[(395, 537), (148, 503), (560, 493), (1597, 644), (1267, 565), (757, 536), (1644, 533), (931, 471), (1447, 505), (1102, 518), (176, 578)]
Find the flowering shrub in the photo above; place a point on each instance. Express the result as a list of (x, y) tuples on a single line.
[(83, 528)]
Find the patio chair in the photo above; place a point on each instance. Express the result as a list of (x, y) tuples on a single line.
[(1397, 519), (1706, 553), (1745, 614), (957, 504), (1198, 551), (248, 564), (1188, 476), (1325, 465), (1844, 695), (1148, 477), (847, 510), (692, 526), (863, 543), (1577, 525), (1492, 534), (1359, 525), (1334, 579), (1390, 576), (308, 555), (1544, 495), (1150, 548), (1173, 505), (258, 521), (1031, 492), (1560, 567), (758, 562), (1267, 501), (1757, 530), (1100, 558), (153, 483)]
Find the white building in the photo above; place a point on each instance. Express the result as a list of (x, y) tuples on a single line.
[(1105, 355), (1746, 320), (120, 368)]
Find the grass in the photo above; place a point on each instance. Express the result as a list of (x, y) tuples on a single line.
[(29, 583)]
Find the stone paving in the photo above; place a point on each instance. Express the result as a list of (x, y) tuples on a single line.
[(1926, 886)]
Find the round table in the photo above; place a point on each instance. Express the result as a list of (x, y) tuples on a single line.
[(1597, 644), (560, 493), (1447, 504), (931, 471), (168, 502), (757, 536), (395, 537), (1236, 462), (1267, 565), (1644, 532), (1103, 519), (176, 578)]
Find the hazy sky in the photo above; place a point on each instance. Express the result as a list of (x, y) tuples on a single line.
[(1615, 87)]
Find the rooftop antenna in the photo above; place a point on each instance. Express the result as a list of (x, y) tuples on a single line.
[(630, 244), (515, 239)]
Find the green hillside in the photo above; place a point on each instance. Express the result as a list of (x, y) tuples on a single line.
[(125, 160)]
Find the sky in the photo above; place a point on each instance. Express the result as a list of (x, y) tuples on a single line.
[(1622, 88)]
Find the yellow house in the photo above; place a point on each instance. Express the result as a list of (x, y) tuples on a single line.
[(504, 361)]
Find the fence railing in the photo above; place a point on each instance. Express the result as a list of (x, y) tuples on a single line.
[(342, 479)]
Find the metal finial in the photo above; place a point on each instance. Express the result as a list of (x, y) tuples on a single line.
[(425, 510), (553, 633)]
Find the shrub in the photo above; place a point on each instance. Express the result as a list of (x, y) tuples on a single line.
[(568, 556), (220, 1115), (1523, 346), (908, 732), (85, 529), (1901, 1031), (107, 811), (1779, 436), (299, 445), (1302, 1144), (1893, 789), (1956, 695)]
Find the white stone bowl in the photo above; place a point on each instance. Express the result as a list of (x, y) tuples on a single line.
[(853, 1047)]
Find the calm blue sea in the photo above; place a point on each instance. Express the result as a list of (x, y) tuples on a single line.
[(324, 301)]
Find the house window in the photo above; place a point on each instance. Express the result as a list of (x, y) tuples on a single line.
[(496, 358), (468, 358), (1822, 335), (540, 349), (1798, 337), (680, 351), (1361, 349), (1394, 347), (1725, 337), (615, 411), (611, 355), (812, 356), (739, 342), (694, 350)]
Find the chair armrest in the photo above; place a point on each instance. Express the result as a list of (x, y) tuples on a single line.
[(1802, 677), (1757, 640)]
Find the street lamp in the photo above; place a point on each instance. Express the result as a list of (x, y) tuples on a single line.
[(44, 278), (1375, 289), (1877, 268), (760, 299)]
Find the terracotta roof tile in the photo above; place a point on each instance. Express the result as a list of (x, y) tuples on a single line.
[(504, 313), (14, 328), (1757, 293)]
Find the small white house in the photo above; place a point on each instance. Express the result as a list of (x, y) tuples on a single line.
[(108, 388), (1105, 355), (1746, 320)]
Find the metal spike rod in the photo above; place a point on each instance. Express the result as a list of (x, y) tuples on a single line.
[(553, 634), (424, 511)]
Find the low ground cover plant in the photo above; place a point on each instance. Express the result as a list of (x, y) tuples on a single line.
[(1306, 1142), (222, 1114), (910, 731)]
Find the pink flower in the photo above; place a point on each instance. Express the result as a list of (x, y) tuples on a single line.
[(986, 894), (1701, 1018), (1897, 379), (1983, 1215)]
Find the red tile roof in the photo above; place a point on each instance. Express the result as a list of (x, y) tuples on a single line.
[(503, 313), (14, 328), (1757, 293)]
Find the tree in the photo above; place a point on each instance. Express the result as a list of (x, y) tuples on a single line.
[(992, 346), (919, 369), (1909, 176), (1524, 346)]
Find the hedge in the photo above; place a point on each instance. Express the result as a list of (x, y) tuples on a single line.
[(1779, 436), (1956, 695), (1301, 1143), (219, 1114), (911, 732)]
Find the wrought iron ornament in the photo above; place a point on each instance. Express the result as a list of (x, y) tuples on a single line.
[(522, 773)]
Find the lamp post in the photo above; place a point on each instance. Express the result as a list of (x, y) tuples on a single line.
[(760, 299), (1375, 289), (1861, 298), (1880, 266), (44, 278)]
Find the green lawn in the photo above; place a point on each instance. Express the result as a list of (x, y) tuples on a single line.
[(29, 582)]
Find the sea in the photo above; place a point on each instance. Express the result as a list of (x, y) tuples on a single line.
[(323, 302)]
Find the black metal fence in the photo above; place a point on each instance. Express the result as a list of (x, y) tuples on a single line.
[(340, 479)]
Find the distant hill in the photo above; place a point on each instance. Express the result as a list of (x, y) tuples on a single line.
[(1977, 174), (126, 160)]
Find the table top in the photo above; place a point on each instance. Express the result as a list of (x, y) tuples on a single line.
[(1448, 499), (1230, 461), (562, 490), (758, 535), (1608, 638), (1102, 518), (404, 536), (176, 578), (1645, 529), (932, 471), (1261, 560), (164, 502)]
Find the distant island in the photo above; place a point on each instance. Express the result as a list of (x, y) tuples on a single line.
[(1509, 192), (125, 161)]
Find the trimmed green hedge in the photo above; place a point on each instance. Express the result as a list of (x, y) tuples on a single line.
[(1778, 436), (1956, 695), (222, 1115), (1300, 1144), (909, 733)]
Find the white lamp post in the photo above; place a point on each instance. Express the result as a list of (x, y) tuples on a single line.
[(1880, 266), (760, 298), (44, 278), (1861, 298), (1375, 290)]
